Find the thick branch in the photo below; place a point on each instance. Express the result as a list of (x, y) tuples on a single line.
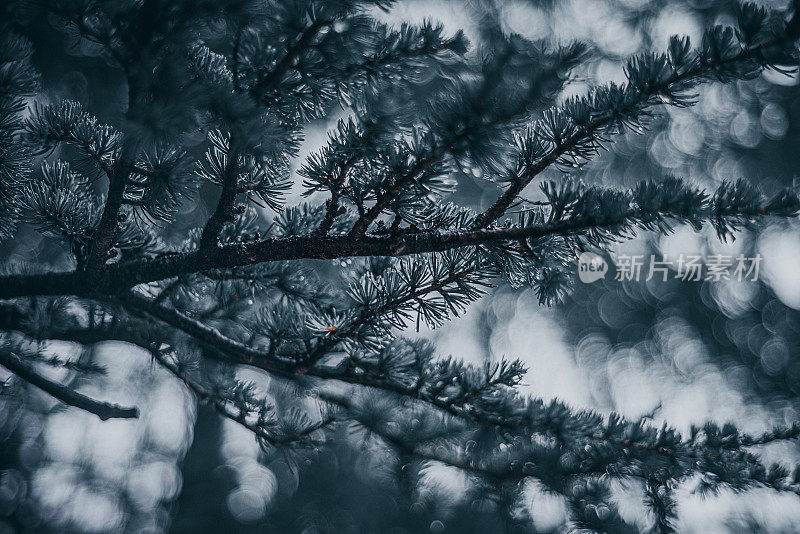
[(109, 221), (103, 410), (119, 277)]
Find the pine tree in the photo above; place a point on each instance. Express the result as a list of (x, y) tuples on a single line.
[(314, 293)]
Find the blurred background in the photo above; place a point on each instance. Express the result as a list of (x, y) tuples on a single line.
[(676, 351)]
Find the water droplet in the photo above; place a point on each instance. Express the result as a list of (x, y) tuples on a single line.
[(437, 526)]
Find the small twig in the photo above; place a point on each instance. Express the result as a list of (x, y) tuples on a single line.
[(238, 416), (103, 410), (223, 213), (273, 77), (333, 205)]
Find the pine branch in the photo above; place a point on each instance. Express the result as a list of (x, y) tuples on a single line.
[(236, 353), (418, 451), (383, 200), (13, 318), (650, 95), (239, 353), (206, 335), (712, 451), (389, 55), (606, 215), (103, 410), (247, 284), (515, 471), (463, 126), (123, 276), (436, 153), (67, 123), (659, 497)]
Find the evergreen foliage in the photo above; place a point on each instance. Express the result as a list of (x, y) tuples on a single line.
[(244, 289)]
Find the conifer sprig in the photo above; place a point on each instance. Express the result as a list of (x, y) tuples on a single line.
[(414, 373)]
